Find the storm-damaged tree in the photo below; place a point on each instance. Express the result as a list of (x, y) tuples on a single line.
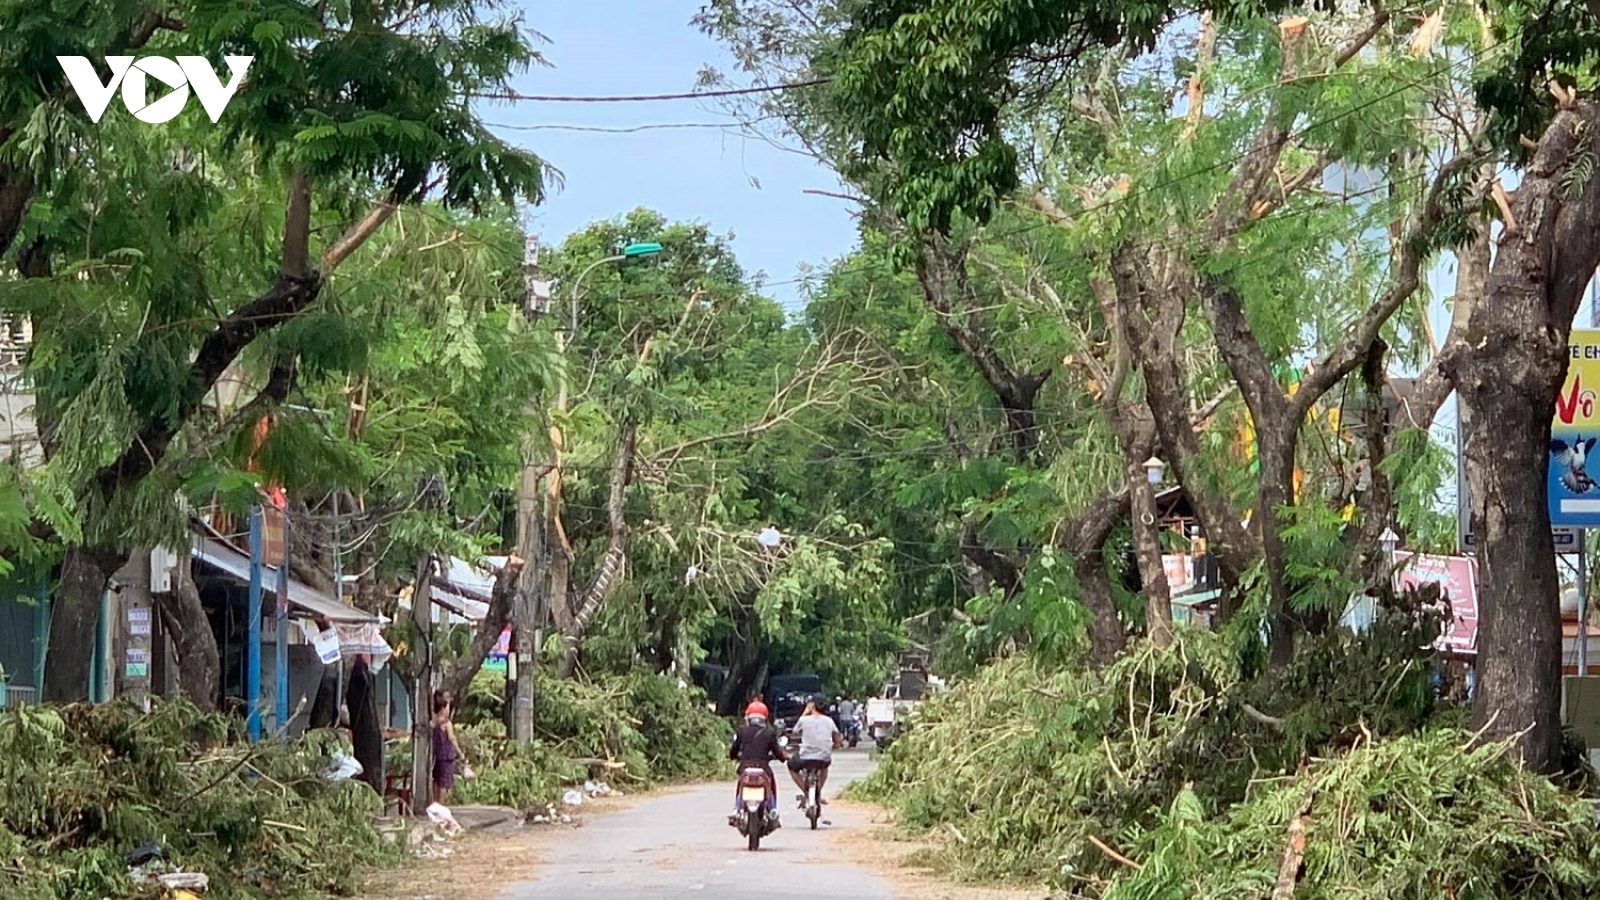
[(928, 92), (676, 360), (165, 257), (1004, 454), (1509, 361), (1210, 208)]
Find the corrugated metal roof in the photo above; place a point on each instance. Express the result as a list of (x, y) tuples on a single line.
[(306, 597)]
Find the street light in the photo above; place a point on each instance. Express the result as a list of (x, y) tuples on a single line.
[(631, 251), (1154, 470), (1389, 541)]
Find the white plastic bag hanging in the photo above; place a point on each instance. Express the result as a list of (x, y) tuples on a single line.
[(326, 644)]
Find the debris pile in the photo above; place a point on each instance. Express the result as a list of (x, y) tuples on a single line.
[(82, 786), (638, 730), (1176, 773), (1411, 818)]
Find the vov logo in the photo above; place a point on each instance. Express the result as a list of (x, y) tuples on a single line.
[(181, 74)]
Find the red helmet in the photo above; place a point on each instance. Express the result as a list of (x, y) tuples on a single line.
[(756, 709)]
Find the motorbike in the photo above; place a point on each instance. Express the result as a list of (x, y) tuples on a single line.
[(753, 819), (813, 801), (852, 731)]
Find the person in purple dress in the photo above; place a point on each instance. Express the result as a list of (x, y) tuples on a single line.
[(446, 750)]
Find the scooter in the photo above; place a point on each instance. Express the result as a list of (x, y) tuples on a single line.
[(754, 820), (852, 731)]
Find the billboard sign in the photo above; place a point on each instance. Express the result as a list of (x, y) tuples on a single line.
[(1571, 491), (1457, 578)]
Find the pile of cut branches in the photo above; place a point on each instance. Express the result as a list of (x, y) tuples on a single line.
[(1409, 818), (82, 786), (638, 730), (1075, 775)]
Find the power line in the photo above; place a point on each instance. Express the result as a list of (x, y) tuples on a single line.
[(520, 97), (624, 129), (862, 266)]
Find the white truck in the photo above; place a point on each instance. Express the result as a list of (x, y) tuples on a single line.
[(887, 714)]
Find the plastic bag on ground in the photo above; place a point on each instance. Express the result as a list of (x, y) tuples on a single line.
[(442, 817)]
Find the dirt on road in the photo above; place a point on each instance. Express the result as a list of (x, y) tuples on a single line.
[(674, 845), (904, 863)]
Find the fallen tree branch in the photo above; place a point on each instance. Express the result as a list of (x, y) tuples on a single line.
[(1260, 716), (1114, 855), (1294, 853)]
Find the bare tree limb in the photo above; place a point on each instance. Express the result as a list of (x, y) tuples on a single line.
[(1205, 52), (1346, 356), (286, 299), (1259, 163), (358, 234), (615, 556), (459, 676)]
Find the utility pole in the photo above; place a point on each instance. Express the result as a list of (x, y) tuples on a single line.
[(136, 612), (540, 537), (521, 661), (1583, 533)]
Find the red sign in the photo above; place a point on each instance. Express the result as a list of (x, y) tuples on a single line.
[(1457, 578)]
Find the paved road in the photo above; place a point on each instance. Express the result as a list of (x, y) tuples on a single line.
[(679, 845)]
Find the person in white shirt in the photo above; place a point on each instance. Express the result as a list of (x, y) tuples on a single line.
[(819, 737)]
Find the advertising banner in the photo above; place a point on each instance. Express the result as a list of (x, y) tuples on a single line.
[(1570, 491), (1457, 578)]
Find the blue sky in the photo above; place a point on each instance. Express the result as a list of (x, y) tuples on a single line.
[(708, 174)]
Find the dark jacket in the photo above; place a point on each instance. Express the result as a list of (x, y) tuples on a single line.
[(756, 745)]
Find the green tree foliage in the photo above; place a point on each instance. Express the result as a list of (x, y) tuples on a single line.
[(1033, 763), (924, 85), (724, 392), (160, 255)]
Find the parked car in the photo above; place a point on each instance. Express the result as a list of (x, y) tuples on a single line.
[(787, 695)]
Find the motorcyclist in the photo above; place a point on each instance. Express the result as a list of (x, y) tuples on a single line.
[(819, 737), (755, 746), (849, 716)]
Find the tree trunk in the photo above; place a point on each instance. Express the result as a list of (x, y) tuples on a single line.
[(1154, 319), (1275, 451), (199, 661), (74, 621), (1367, 564), (612, 562), (941, 270), (1088, 539), (745, 672), (461, 671), (1135, 428), (1508, 376)]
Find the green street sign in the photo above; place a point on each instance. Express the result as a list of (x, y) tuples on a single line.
[(633, 250)]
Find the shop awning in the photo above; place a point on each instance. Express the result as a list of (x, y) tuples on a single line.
[(304, 596), (1196, 598), (463, 606)]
